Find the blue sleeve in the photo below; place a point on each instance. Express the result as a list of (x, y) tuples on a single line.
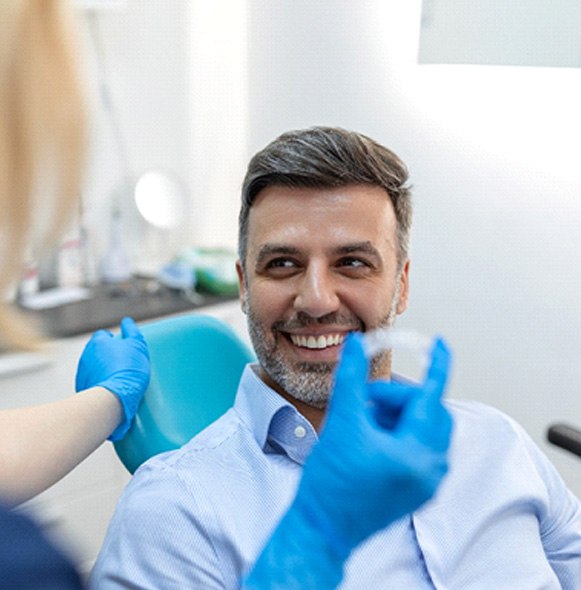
[(158, 538), (28, 560)]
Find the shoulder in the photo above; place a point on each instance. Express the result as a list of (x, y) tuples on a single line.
[(467, 408), (165, 510), (481, 417), (221, 436), (173, 506), (196, 463), (486, 436)]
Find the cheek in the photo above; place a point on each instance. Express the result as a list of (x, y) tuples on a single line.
[(371, 303), (267, 302)]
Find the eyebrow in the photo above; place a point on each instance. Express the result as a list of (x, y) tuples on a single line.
[(269, 250), (365, 247)]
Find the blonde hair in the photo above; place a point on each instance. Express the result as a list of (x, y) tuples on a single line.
[(42, 130)]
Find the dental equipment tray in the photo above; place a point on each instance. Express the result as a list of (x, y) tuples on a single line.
[(106, 307)]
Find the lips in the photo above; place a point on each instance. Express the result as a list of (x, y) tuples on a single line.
[(317, 342)]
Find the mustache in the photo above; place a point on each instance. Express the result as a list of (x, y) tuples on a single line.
[(302, 320)]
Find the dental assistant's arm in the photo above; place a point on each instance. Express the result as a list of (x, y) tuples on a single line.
[(41, 444), (390, 463)]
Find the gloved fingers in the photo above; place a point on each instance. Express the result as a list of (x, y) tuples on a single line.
[(424, 417), (434, 385), (387, 399), (101, 334), (390, 393), (84, 363), (438, 419), (129, 328), (441, 431), (350, 376), (428, 423), (437, 374), (79, 382)]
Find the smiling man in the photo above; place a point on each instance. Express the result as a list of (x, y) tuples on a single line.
[(313, 274), (323, 251)]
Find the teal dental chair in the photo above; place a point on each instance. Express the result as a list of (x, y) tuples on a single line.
[(196, 363)]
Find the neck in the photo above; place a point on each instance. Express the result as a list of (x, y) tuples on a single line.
[(312, 414)]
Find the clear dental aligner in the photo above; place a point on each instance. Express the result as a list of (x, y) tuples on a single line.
[(384, 339)]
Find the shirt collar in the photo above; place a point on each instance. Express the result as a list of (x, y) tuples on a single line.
[(275, 423)]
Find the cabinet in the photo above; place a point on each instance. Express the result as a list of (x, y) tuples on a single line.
[(77, 510)]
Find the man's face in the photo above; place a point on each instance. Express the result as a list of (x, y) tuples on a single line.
[(320, 263)]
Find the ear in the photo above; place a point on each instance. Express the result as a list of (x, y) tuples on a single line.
[(241, 285), (404, 288)]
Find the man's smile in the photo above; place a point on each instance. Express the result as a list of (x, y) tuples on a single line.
[(317, 341)]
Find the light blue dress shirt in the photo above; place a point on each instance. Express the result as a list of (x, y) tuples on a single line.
[(198, 517)]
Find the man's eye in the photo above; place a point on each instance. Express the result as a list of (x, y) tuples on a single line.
[(281, 263), (353, 262), (281, 267), (354, 267)]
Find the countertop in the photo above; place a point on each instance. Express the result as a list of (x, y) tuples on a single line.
[(107, 306)]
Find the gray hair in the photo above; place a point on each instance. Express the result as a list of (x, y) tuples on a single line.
[(327, 157)]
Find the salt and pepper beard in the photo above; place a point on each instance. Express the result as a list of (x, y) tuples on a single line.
[(309, 382)]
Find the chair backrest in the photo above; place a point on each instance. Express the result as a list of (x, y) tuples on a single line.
[(196, 363), (565, 436)]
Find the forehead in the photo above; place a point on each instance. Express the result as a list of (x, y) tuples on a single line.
[(313, 216)]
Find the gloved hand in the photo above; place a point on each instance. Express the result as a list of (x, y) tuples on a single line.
[(121, 365), (381, 455), (376, 461)]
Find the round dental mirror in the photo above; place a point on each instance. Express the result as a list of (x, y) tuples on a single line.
[(160, 199)]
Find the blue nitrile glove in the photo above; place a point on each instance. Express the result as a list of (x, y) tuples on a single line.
[(381, 455), (119, 364)]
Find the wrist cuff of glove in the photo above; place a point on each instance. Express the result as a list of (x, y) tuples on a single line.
[(129, 411), (340, 545), (120, 431)]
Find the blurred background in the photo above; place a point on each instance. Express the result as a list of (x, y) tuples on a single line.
[(481, 100), (492, 146)]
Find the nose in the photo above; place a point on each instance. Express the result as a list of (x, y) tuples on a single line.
[(317, 294)]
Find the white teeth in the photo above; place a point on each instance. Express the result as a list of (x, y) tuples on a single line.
[(317, 342)]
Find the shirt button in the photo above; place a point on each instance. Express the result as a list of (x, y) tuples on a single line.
[(300, 432)]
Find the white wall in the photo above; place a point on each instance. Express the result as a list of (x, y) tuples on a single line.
[(532, 33), (496, 259), (218, 110), (147, 73), (176, 73)]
